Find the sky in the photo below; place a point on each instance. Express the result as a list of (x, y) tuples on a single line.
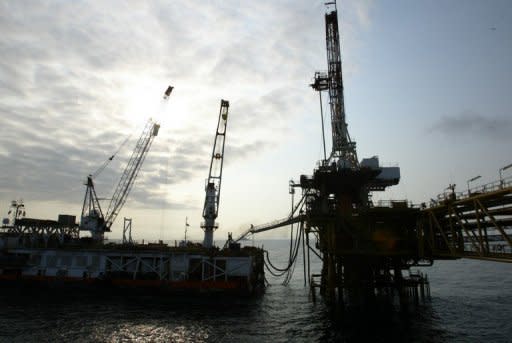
[(427, 87)]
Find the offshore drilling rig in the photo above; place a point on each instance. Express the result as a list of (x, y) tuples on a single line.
[(354, 236), (366, 247)]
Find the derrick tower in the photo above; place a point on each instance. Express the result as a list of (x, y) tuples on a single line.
[(332, 81)]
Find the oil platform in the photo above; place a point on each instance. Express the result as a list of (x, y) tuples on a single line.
[(366, 248)]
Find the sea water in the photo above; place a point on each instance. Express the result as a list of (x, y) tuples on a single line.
[(471, 301)]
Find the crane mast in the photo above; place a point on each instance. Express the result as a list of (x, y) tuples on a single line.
[(343, 149), (92, 218), (213, 184)]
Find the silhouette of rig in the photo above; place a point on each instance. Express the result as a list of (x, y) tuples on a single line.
[(367, 248)]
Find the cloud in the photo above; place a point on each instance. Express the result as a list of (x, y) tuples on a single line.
[(73, 77), (362, 10), (471, 123), (235, 153)]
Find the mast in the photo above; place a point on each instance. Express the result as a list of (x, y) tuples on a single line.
[(213, 184), (343, 149)]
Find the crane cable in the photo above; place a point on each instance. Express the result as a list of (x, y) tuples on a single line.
[(108, 160)]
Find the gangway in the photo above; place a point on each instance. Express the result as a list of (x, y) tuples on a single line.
[(270, 226), (291, 219)]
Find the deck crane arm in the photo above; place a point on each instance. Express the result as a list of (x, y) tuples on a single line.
[(213, 184), (130, 173)]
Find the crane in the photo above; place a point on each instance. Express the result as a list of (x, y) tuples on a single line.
[(213, 183), (93, 219)]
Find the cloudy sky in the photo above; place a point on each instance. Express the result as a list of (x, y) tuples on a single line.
[(427, 86)]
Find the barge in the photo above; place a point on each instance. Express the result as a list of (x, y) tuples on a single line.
[(49, 253)]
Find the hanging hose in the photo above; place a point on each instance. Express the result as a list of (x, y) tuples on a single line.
[(297, 248), (289, 269), (291, 258)]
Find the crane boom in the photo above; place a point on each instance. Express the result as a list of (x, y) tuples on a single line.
[(130, 173), (212, 188)]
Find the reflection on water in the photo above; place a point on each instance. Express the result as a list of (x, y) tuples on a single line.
[(153, 332)]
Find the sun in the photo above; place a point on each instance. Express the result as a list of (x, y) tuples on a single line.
[(143, 98)]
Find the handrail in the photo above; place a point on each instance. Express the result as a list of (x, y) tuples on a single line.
[(484, 188)]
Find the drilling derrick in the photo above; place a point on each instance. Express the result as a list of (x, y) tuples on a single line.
[(342, 147), (212, 187)]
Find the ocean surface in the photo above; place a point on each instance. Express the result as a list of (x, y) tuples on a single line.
[(471, 301)]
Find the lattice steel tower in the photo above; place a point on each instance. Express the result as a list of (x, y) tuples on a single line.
[(343, 149), (212, 188)]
